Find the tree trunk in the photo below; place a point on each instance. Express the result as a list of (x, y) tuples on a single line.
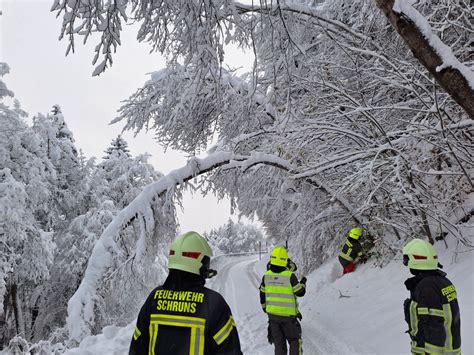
[(450, 79), (17, 311)]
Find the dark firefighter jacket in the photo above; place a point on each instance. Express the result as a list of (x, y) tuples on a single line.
[(299, 289), (432, 313), (351, 250), (183, 317)]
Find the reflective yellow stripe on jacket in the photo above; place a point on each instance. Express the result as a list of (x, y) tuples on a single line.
[(197, 325), (279, 295), (347, 254), (137, 333), (224, 332), (444, 313)]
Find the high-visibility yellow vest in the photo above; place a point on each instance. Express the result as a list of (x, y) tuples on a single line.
[(280, 299)]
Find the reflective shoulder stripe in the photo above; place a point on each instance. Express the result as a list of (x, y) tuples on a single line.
[(348, 243), (431, 312), (224, 332), (137, 333)]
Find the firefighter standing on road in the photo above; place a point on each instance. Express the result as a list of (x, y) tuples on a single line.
[(351, 250), (432, 311), (278, 293), (183, 317)]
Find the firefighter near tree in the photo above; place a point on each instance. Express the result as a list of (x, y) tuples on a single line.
[(351, 251), (183, 316), (278, 296), (432, 311)]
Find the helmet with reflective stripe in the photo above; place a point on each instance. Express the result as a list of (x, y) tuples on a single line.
[(420, 255), (355, 233), (279, 256), (187, 253)]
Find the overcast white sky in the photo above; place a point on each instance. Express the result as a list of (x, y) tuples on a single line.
[(41, 76)]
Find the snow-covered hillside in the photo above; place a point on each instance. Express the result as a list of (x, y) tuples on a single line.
[(360, 313)]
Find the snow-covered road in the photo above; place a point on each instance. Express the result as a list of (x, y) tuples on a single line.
[(369, 317), (238, 281)]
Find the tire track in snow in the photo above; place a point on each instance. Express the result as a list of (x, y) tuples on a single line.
[(252, 274), (220, 284)]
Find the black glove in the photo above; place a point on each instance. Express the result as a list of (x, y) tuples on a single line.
[(210, 273), (299, 316), (303, 280), (291, 265)]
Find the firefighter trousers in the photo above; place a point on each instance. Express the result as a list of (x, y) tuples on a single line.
[(283, 330)]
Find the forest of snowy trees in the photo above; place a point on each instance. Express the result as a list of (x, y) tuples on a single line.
[(235, 238), (340, 123), (55, 204)]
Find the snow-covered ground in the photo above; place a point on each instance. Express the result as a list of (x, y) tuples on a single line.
[(360, 313)]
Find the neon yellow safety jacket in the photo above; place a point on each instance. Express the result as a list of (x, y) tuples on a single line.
[(280, 291)]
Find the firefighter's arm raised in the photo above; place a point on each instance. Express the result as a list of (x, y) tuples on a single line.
[(299, 288), (291, 265)]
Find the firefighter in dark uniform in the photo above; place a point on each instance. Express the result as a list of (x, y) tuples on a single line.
[(183, 317), (351, 250), (278, 293), (432, 311)]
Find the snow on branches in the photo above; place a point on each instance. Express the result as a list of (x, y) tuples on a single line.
[(456, 78), (336, 125)]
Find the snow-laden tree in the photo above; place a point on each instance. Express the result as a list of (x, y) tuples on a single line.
[(235, 238), (106, 189), (26, 249), (336, 125), (57, 142), (118, 146), (337, 95)]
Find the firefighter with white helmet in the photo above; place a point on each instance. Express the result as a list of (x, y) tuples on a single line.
[(432, 311), (182, 316)]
